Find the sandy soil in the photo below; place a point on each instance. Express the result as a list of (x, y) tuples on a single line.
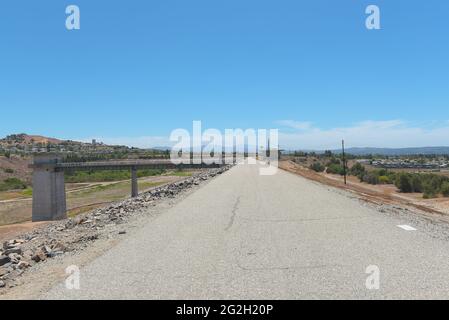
[(14, 230)]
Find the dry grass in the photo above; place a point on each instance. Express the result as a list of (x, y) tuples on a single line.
[(80, 197)]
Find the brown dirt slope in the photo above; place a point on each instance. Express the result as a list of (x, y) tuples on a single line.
[(19, 167), (368, 193)]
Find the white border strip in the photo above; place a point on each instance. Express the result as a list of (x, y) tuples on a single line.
[(406, 227)]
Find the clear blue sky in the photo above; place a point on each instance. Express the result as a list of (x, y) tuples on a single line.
[(143, 68)]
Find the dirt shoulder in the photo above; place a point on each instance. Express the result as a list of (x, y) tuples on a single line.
[(377, 195)]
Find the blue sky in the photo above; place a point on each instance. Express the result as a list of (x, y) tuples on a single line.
[(136, 70)]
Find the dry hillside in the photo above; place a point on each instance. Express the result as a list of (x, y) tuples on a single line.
[(15, 167)]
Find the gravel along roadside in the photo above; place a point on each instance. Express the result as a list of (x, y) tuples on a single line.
[(19, 256)]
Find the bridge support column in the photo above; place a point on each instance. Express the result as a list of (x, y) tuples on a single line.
[(49, 201), (134, 186)]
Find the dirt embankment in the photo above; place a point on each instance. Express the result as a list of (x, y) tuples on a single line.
[(375, 194), (15, 167)]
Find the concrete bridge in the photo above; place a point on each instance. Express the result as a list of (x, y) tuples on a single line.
[(49, 197)]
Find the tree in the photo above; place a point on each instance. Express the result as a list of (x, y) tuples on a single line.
[(445, 189), (416, 183), (403, 183), (357, 170)]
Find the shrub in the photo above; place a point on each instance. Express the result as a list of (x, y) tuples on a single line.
[(445, 189), (335, 168), (317, 167), (370, 177), (403, 183), (416, 183), (8, 170), (384, 180), (332, 161), (429, 184), (427, 196), (27, 192), (12, 184), (357, 170), (429, 191)]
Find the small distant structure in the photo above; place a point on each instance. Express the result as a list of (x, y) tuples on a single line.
[(94, 142), (364, 161)]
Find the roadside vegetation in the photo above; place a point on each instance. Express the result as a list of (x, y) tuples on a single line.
[(107, 175), (181, 173), (431, 185), (317, 167), (333, 165), (12, 184)]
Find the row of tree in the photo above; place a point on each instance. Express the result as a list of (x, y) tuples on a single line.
[(430, 184)]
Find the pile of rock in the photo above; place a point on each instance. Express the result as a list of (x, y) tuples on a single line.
[(75, 233), (12, 258)]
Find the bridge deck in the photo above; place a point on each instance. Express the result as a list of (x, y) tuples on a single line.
[(49, 199), (121, 165)]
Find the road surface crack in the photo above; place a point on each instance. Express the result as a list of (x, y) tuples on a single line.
[(234, 213)]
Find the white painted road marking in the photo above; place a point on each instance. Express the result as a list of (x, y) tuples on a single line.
[(406, 227)]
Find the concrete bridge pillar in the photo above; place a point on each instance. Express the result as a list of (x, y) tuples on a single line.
[(49, 202), (134, 186)]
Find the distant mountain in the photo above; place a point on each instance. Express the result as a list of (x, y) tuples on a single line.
[(397, 151)]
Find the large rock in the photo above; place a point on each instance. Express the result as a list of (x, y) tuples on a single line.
[(3, 271), (39, 255), (58, 246), (23, 265), (15, 257), (4, 260), (10, 250)]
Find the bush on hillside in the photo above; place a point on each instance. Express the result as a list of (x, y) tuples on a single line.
[(370, 177), (12, 184), (404, 183), (429, 184), (445, 189), (384, 180), (357, 170), (335, 169), (317, 167)]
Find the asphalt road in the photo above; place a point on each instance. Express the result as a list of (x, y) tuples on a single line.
[(247, 236)]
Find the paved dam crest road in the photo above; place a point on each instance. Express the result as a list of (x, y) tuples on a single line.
[(247, 236)]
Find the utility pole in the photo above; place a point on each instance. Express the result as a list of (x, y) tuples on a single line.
[(344, 159), (268, 154)]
